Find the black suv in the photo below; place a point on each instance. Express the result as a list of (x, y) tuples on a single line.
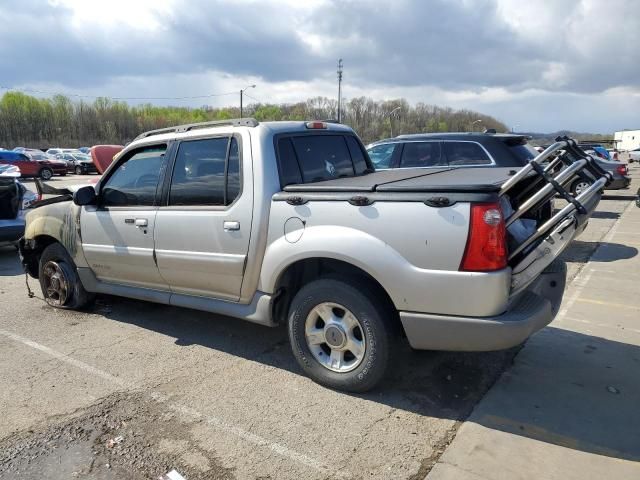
[(425, 150)]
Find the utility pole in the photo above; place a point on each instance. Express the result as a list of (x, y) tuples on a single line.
[(241, 92), (340, 90)]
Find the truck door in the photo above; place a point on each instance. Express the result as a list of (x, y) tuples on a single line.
[(204, 225), (117, 234)]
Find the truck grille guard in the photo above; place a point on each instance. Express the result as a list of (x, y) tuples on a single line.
[(555, 168)]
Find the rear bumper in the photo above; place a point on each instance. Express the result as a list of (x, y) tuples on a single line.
[(529, 312), (619, 183)]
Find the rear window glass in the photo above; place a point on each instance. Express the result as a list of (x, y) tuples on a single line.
[(465, 153), (322, 157), (314, 158), (523, 153), (359, 162)]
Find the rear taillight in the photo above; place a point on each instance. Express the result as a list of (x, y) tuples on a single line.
[(486, 245), (622, 169)]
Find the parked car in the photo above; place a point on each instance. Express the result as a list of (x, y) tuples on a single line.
[(44, 169), (14, 199), (287, 222), (619, 172), (634, 155), (56, 151), (78, 163), (85, 150), (59, 166), (437, 150)]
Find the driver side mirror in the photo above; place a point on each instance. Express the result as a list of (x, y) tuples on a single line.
[(85, 196)]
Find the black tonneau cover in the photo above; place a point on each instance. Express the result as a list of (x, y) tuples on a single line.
[(472, 179)]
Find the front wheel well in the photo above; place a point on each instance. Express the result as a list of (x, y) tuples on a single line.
[(302, 272), (32, 250)]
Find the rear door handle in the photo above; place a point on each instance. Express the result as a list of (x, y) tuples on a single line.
[(231, 226), (141, 222)]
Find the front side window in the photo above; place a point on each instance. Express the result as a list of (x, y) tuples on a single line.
[(202, 175), (381, 155), (135, 181), (465, 154), (421, 154)]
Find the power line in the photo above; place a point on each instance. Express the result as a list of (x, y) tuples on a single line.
[(77, 95), (253, 98)]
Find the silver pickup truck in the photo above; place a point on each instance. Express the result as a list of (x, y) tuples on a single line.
[(287, 223)]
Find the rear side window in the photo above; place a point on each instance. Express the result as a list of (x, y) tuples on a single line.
[(314, 158), (465, 154), (421, 154), (202, 176)]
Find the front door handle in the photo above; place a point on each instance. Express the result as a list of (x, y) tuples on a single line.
[(141, 222), (231, 226)]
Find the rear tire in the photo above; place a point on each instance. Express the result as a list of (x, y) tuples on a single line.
[(78, 170), (46, 174), (59, 281), (579, 186), (353, 355)]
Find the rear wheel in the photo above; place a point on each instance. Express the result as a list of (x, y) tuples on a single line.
[(341, 336), (78, 170), (46, 174), (579, 186), (59, 281)]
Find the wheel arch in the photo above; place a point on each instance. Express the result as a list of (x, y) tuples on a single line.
[(32, 249), (303, 271)]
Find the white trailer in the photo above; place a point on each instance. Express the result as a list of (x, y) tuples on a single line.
[(627, 140)]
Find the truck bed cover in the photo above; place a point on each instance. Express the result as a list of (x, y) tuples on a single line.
[(471, 179)]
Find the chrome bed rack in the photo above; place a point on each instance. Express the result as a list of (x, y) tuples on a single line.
[(555, 169)]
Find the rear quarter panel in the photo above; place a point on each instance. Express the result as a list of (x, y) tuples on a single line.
[(411, 249)]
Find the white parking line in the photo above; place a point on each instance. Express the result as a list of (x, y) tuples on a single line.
[(185, 410)]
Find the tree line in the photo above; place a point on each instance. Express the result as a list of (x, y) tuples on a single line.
[(61, 122)]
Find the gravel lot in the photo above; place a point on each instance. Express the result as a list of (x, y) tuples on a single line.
[(131, 390)]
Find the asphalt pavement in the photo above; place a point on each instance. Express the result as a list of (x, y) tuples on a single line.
[(131, 390)]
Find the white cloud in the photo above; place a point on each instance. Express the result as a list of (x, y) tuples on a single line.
[(554, 64)]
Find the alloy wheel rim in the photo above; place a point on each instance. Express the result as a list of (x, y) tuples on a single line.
[(335, 337), (46, 175), (56, 284), (581, 187)]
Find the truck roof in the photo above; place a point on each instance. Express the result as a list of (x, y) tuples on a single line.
[(204, 128)]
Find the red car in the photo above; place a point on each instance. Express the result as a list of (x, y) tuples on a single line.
[(44, 169)]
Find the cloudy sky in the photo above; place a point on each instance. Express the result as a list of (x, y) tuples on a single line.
[(536, 65)]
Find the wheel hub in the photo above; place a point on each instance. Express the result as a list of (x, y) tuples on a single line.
[(335, 336), (55, 283)]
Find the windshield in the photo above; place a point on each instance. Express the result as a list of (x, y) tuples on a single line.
[(81, 157)]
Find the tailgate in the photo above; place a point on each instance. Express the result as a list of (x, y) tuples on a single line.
[(536, 237)]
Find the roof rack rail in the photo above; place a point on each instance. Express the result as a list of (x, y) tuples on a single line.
[(235, 122)]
